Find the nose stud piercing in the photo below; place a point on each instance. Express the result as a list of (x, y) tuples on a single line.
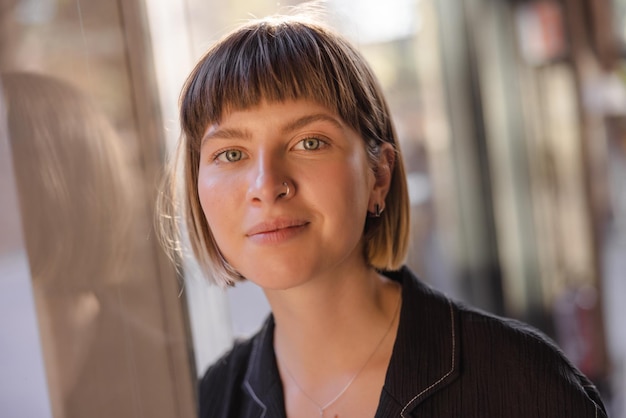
[(286, 193)]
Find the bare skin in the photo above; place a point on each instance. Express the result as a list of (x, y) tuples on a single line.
[(325, 338)]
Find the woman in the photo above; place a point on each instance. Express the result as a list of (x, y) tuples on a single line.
[(294, 180)]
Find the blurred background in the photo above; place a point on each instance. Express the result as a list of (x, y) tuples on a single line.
[(512, 120)]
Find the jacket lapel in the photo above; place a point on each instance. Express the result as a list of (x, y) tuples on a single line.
[(262, 381), (426, 353)]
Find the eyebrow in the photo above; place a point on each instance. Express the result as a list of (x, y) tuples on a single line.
[(225, 133), (235, 133), (308, 119)]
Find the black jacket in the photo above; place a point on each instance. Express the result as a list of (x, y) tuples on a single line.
[(448, 361)]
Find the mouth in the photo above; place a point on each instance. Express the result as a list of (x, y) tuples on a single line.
[(275, 226), (276, 231)]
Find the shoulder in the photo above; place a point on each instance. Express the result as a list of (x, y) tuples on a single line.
[(232, 363), (508, 339), (524, 362), (503, 332), (497, 363), (221, 384)]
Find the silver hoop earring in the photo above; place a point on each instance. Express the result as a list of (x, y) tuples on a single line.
[(377, 211), (285, 194)]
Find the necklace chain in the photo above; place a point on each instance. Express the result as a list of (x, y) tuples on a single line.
[(322, 408)]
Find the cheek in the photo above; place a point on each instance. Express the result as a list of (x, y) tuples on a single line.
[(221, 213), (346, 187), (206, 193), (355, 177), (216, 197)]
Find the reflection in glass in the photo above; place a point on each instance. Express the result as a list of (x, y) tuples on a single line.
[(74, 193)]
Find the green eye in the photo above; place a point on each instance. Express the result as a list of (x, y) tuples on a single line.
[(231, 155), (311, 143)]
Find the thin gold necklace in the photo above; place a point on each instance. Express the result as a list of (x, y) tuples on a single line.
[(322, 408)]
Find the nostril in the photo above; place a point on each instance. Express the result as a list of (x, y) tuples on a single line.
[(285, 193)]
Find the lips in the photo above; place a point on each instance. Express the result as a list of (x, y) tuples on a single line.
[(276, 231), (275, 226)]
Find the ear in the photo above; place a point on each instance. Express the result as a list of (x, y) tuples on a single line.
[(383, 171)]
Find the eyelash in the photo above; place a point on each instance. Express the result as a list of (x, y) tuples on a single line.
[(217, 155), (322, 143)]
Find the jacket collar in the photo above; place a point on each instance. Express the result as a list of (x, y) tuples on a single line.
[(262, 381), (425, 355), (426, 352)]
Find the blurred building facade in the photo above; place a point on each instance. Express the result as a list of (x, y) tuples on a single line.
[(512, 119)]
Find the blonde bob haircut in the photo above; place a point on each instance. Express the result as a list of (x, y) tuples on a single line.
[(277, 59)]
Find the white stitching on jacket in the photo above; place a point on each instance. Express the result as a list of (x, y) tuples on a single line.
[(255, 354), (256, 398), (442, 377)]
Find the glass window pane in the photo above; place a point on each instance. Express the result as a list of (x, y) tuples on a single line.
[(111, 323)]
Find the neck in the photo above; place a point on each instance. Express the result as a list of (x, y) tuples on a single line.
[(330, 327)]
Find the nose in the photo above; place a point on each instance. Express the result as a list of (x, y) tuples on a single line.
[(269, 181)]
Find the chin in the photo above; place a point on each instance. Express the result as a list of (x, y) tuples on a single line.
[(277, 279)]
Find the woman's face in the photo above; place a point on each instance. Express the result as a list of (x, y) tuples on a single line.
[(280, 241)]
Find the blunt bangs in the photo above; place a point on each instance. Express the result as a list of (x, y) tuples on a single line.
[(279, 61)]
